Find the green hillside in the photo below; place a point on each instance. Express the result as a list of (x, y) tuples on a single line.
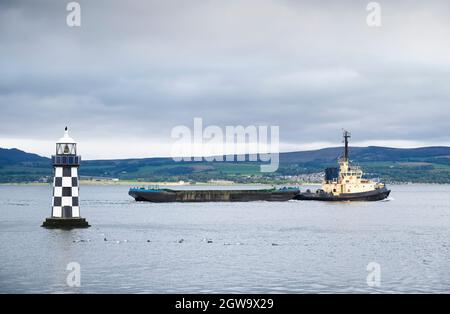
[(426, 165)]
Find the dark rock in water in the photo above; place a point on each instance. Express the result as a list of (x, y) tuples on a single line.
[(105, 239), (149, 241)]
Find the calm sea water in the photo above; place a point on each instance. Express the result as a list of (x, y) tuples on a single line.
[(258, 247)]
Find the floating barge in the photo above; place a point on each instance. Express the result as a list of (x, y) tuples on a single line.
[(167, 195)]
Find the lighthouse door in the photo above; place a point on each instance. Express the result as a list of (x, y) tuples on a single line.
[(67, 212)]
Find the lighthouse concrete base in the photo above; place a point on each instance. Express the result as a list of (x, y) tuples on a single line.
[(65, 223)]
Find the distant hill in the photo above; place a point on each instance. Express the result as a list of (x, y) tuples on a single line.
[(371, 153), (19, 166), (14, 156), (426, 164)]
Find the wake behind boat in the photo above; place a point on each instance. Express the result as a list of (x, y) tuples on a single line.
[(158, 195)]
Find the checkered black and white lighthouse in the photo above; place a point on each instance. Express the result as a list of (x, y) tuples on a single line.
[(66, 202)]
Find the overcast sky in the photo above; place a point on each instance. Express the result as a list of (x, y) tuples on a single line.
[(136, 69)]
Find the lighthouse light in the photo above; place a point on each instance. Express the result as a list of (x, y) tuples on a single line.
[(66, 149)]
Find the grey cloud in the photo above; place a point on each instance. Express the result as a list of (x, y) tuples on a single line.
[(142, 67)]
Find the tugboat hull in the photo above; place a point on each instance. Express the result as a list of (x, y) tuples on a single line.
[(167, 195), (375, 195)]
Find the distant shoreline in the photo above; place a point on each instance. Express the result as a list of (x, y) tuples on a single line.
[(146, 183), (392, 166), (219, 183)]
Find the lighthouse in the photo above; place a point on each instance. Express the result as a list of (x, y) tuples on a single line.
[(66, 202)]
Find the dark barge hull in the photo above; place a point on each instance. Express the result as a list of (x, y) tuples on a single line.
[(376, 195), (167, 195)]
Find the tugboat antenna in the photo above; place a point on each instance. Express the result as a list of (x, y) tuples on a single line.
[(347, 135)]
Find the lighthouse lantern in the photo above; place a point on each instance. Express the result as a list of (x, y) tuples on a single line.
[(66, 145)]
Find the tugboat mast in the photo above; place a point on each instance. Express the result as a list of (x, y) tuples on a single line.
[(347, 135)]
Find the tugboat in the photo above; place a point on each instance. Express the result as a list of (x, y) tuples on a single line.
[(346, 183)]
